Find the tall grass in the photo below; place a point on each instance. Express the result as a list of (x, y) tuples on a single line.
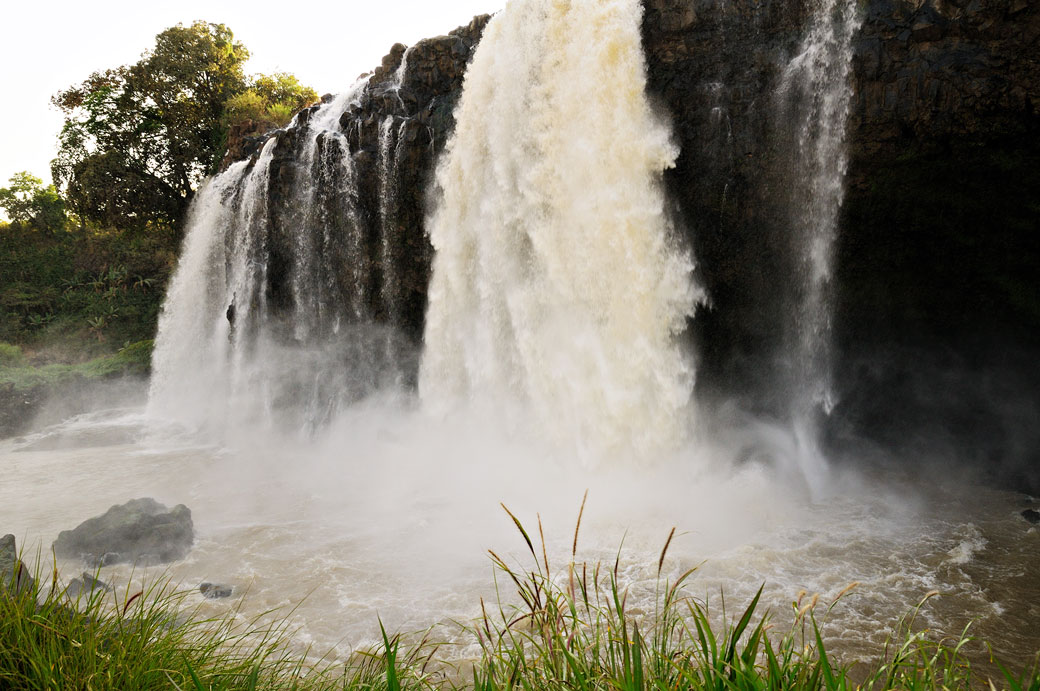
[(150, 639), (576, 632), (565, 629)]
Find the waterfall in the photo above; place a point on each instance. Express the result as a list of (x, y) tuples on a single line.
[(271, 315), (556, 286), (559, 291), (814, 97)]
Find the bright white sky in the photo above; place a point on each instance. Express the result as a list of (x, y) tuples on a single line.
[(48, 45)]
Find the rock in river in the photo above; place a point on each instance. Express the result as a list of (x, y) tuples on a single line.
[(140, 531), (13, 574), (215, 591)]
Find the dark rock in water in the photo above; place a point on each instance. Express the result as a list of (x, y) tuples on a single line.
[(142, 530), (109, 558), (86, 583), (94, 583), (1031, 515), (13, 573), (216, 591)]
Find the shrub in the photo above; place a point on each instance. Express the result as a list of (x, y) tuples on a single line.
[(11, 356)]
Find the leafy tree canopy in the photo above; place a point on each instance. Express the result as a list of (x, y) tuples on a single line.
[(26, 200), (138, 139)]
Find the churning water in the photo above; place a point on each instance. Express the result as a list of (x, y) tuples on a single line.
[(389, 513), (278, 412)]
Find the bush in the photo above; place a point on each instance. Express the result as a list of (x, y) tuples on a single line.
[(271, 99), (280, 113), (11, 356), (247, 105)]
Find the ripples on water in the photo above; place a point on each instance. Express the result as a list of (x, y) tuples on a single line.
[(391, 513)]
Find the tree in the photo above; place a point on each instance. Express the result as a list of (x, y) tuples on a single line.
[(26, 200), (138, 139)]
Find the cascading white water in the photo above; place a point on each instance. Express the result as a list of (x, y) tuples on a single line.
[(193, 337), (556, 287), (232, 345), (814, 96)]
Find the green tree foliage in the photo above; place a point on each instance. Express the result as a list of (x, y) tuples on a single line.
[(271, 99), (26, 200), (138, 139)]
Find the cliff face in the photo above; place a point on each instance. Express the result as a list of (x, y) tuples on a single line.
[(937, 321)]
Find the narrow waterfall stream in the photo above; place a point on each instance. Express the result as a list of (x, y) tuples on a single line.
[(814, 97)]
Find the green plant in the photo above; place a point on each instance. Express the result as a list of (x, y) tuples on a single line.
[(147, 639), (280, 113), (577, 632), (11, 355), (38, 321)]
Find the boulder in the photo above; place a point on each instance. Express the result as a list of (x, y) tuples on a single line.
[(215, 591), (1031, 515), (142, 530), (86, 583), (13, 573)]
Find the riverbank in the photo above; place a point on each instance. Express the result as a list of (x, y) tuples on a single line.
[(33, 395)]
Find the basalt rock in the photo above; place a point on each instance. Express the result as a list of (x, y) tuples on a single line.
[(14, 576), (140, 531), (245, 139), (937, 308), (938, 314), (85, 585), (215, 591)]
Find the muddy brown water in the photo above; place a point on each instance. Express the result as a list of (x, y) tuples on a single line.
[(391, 516)]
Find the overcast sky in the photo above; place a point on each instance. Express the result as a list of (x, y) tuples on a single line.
[(48, 45)]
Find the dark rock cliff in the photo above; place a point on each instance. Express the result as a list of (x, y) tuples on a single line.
[(937, 322)]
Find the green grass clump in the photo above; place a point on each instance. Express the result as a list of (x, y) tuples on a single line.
[(11, 356), (148, 640), (574, 631)]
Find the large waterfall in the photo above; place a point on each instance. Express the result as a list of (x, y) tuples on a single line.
[(605, 248), (560, 288), (556, 283)]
